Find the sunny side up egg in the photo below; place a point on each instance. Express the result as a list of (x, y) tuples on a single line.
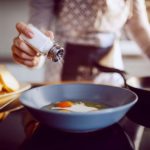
[(75, 106)]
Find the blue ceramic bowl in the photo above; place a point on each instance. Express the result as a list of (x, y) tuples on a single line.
[(120, 100)]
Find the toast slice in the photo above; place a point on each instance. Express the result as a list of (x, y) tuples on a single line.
[(9, 82), (1, 87)]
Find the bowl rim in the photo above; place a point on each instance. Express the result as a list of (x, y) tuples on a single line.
[(102, 111)]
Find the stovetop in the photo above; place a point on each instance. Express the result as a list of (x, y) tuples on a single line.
[(17, 132)]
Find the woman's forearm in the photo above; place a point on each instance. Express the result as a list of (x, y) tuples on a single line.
[(138, 26)]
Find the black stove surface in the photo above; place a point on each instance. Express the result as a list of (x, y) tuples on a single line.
[(13, 136)]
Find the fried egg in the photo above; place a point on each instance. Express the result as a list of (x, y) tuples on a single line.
[(76, 107)]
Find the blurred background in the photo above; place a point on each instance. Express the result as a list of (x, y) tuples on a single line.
[(12, 11)]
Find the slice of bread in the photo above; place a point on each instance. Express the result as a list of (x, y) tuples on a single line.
[(9, 82), (1, 87)]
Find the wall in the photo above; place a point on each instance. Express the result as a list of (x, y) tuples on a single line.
[(11, 11)]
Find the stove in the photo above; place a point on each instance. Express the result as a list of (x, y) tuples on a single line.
[(15, 134)]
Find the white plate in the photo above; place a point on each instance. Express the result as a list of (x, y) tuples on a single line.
[(4, 98)]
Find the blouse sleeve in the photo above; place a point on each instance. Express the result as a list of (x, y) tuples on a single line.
[(138, 26), (42, 13)]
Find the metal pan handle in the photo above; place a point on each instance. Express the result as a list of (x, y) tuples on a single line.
[(111, 70)]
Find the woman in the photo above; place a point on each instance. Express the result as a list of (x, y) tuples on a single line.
[(85, 28)]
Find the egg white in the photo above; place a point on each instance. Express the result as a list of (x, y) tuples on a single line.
[(78, 107)]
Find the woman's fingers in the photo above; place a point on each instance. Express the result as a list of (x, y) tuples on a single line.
[(21, 54), (21, 51), (49, 34), (29, 63), (23, 28), (24, 54), (24, 47)]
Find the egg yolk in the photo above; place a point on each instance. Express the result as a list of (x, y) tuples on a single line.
[(64, 104)]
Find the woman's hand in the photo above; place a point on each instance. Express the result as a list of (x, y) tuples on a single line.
[(23, 53)]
